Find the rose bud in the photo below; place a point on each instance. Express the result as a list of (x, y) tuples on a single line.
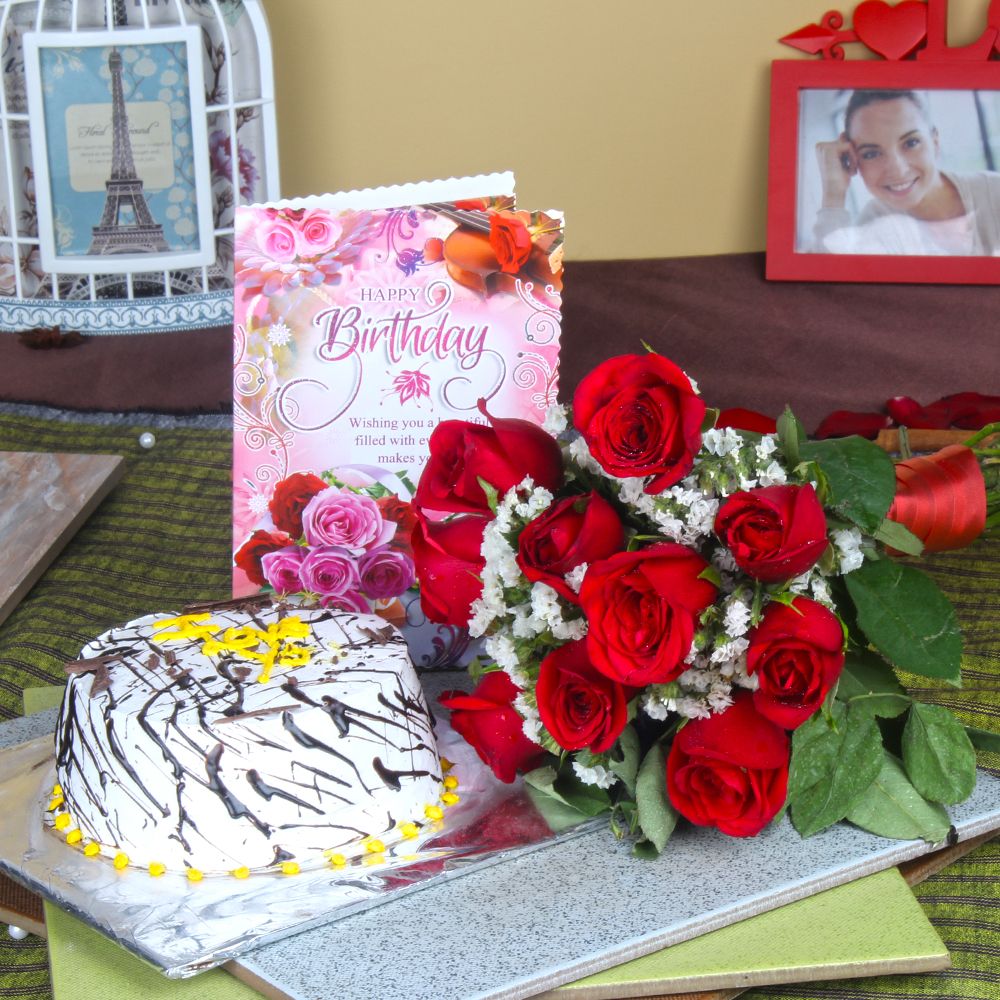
[(433, 250), (642, 609), (510, 240), (257, 545), (582, 529), (730, 770), (578, 705), (290, 498), (282, 569), (401, 514), (797, 654), (386, 572), (941, 498), (640, 417), (489, 723), (502, 454), (775, 533), (448, 564)]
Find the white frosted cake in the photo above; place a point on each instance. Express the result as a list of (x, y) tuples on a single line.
[(243, 738)]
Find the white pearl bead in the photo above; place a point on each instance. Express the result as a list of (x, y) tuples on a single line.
[(147, 440), (17, 933)]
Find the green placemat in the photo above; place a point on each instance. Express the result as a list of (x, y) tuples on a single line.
[(162, 538), (87, 966)]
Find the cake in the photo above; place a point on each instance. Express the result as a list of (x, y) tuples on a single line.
[(244, 738)]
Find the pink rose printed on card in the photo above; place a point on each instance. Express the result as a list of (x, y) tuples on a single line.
[(362, 322)]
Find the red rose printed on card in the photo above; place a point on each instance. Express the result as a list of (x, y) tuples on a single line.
[(291, 497)]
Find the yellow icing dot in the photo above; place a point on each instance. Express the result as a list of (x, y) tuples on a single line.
[(56, 803), (57, 790), (62, 821), (92, 850), (121, 860), (289, 868), (374, 846), (241, 872), (194, 875), (451, 782), (433, 812), (157, 868), (338, 860), (409, 830), (446, 765), (375, 859), (450, 798), (74, 837)]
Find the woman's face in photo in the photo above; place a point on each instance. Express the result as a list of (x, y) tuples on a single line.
[(896, 152)]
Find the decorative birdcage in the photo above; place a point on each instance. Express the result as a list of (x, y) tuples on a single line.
[(131, 130)]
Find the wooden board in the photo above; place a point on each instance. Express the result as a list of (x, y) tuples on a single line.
[(44, 499)]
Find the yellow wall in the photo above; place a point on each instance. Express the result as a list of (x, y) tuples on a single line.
[(644, 120)]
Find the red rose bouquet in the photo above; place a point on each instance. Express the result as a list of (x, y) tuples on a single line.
[(685, 620)]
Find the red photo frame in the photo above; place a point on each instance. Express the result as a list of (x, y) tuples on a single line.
[(794, 253)]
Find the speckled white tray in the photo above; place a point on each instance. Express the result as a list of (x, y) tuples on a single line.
[(564, 912)]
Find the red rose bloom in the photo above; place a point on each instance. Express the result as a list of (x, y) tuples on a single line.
[(448, 562), (576, 530), (290, 498), (941, 498), (797, 653), (775, 532), (729, 770), (462, 453), (579, 706), (510, 240), (257, 545), (642, 609), (640, 417), (489, 723), (403, 515)]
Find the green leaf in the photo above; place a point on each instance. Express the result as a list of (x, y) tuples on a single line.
[(892, 807), (885, 706), (983, 739), (938, 755), (646, 850), (868, 684), (711, 415), (712, 575), (492, 496), (814, 751), (791, 434), (589, 799), (657, 817), (865, 673), (856, 748), (907, 618), (555, 810), (861, 478), (897, 537), (628, 766)]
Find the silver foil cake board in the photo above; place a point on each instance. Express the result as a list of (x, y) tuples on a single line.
[(565, 911)]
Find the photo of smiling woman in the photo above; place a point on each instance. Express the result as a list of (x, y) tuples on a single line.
[(899, 172)]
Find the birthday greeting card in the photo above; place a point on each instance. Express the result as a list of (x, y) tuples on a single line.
[(363, 320)]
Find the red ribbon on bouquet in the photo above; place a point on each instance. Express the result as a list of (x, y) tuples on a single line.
[(941, 498)]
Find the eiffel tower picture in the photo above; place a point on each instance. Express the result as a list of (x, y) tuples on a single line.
[(127, 226)]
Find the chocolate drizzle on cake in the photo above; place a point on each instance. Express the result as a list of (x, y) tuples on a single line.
[(187, 759)]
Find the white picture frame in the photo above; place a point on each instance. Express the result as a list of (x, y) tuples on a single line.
[(133, 226)]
